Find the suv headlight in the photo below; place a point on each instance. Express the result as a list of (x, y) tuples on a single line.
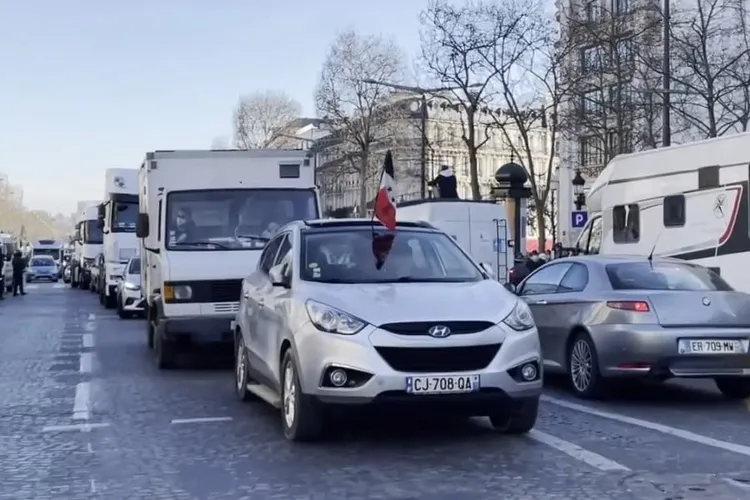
[(131, 286), (520, 318), (331, 320)]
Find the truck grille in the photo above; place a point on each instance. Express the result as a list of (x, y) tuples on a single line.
[(216, 290), (439, 359), (421, 327)]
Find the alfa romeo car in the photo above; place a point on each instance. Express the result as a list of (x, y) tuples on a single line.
[(343, 315)]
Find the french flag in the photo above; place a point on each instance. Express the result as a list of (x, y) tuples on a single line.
[(385, 201)]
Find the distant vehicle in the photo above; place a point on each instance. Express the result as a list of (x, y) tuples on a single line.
[(9, 245), (52, 248), (87, 244), (130, 301), (42, 267), (609, 317), (322, 326)]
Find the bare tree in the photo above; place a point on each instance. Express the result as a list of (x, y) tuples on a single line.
[(260, 116), (738, 104), (454, 41), (357, 111)]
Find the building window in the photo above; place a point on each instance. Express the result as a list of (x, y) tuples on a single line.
[(592, 151), (674, 210), (625, 52), (621, 6), (626, 224), (591, 59), (592, 103), (593, 12)]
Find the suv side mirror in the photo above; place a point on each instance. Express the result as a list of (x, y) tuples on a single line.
[(279, 276), (142, 226)]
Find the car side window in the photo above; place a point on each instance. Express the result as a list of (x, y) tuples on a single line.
[(269, 253), (284, 249), (575, 280), (545, 280), (595, 240)]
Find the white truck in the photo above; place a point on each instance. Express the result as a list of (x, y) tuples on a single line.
[(9, 245), (87, 245), (204, 219), (117, 216), (52, 248)]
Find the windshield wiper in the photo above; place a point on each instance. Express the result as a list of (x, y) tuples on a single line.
[(202, 243)]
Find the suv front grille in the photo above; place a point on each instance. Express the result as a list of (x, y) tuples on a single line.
[(421, 327), (439, 359)]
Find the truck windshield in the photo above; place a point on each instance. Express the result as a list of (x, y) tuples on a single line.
[(91, 233), (233, 219), (52, 252), (124, 216)]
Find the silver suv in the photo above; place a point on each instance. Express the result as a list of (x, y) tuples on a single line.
[(341, 314)]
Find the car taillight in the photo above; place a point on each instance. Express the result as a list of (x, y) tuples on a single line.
[(630, 305), (512, 272)]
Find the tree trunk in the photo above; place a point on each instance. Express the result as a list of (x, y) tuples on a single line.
[(541, 224), (363, 171)]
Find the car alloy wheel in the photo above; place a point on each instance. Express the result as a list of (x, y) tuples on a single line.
[(581, 365), (289, 395)]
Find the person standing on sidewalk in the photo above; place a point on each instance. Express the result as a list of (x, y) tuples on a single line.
[(19, 266)]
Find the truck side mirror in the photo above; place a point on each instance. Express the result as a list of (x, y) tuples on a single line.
[(101, 213), (142, 226)]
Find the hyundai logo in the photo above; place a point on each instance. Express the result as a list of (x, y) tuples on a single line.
[(439, 331), (706, 301)]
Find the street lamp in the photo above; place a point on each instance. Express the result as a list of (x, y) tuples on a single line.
[(423, 120), (578, 183)]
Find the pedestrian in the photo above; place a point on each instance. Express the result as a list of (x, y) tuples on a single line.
[(446, 183), (533, 262), (519, 271), (19, 266)]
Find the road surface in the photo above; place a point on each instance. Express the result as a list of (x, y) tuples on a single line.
[(85, 414)]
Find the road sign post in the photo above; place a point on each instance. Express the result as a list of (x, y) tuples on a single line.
[(579, 218)]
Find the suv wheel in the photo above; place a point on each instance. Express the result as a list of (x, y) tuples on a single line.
[(241, 369), (300, 418), (734, 387), (520, 421)]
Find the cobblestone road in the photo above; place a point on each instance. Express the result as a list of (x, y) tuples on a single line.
[(85, 414)]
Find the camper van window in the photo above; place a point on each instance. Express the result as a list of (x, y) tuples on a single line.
[(595, 240), (708, 177), (626, 225), (674, 210)]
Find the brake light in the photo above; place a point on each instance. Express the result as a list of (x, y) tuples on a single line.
[(630, 305), (512, 272)]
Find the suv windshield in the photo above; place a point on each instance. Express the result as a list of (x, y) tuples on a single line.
[(233, 219), (42, 262), (347, 256), (664, 276)]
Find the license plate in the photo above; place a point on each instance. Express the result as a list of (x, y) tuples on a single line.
[(688, 346), (442, 384)]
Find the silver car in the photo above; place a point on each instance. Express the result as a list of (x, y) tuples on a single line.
[(612, 317), (341, 315), (130, 301)]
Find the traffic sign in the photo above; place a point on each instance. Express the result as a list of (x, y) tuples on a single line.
[(579, 218)]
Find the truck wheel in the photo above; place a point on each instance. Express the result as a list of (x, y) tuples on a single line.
[(149, 333), (165, 353)]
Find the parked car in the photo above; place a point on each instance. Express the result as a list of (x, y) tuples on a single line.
[(603, 317), (130, 301), (42, 267), (323, 328)]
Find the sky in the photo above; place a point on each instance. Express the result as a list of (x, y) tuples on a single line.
[(87, 85)]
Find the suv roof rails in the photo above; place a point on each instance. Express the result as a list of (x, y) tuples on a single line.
[(364, 223)]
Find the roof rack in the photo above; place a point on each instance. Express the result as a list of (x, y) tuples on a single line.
[(364, 223)]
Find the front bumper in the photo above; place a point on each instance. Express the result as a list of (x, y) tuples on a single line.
[(132, 301), (197, 329), (318, 352), (652, 351)]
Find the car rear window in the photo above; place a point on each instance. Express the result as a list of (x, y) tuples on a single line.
[(663, 276), (42, 262)]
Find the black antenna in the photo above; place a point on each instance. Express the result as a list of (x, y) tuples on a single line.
[(651, 253)]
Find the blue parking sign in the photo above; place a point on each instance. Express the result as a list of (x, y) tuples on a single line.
[(579, 218)]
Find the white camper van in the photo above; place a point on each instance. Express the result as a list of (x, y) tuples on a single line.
[(688, 201), (480, 227), (204, 219), (117, 217), (87, 245)]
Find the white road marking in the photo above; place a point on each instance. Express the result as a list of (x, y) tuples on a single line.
[(92, 316), (82, 403), (664, 429), (89, 448), (93, 486), (87, 362), (60, 285), (74, 427), (88, 340), (588, 457), (200, 420), (31, 287), (89, 326)]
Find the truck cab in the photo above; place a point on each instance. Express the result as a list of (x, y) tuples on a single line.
[(205, 217), (87, 243), (117, 217)]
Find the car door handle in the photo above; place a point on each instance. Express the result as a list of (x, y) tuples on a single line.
[(538, 302)]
